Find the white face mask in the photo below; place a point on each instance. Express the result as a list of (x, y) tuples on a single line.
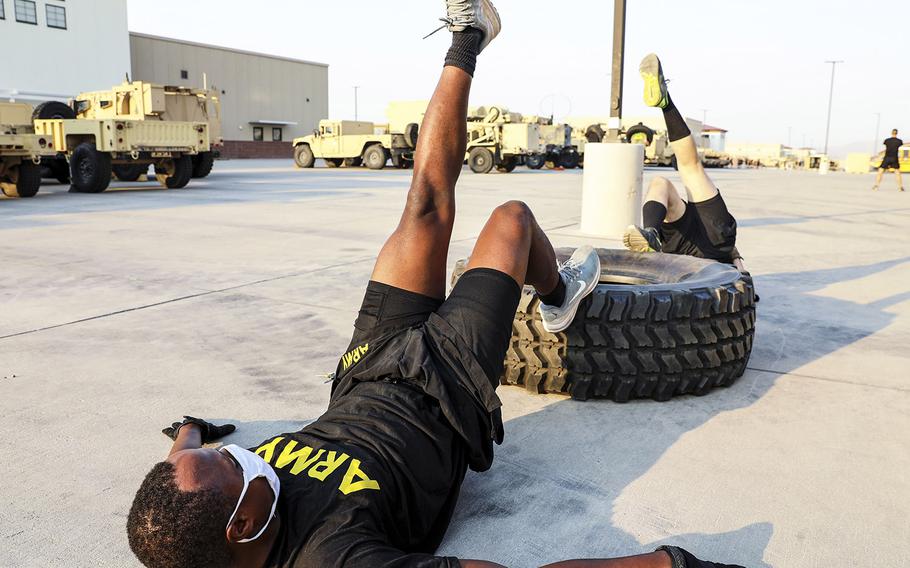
[(253, 467)]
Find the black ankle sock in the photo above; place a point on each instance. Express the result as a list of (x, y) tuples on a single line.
[(685, 559), (653, 215), (557, 296), (463, 53), (677, 129)]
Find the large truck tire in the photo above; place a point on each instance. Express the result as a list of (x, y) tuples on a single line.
[(24, 181), (333, 162), (175, 173), (507, 165), (303, 156), (53, 110), (638, 132), (657, 326), (90, 170), (594, 134), (374, 157), (203, 162), (411, 133), (535, 161), (480, 160), (129, 172), (569, 159)]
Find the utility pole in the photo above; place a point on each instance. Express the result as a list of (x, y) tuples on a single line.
[(356, 87), (619, 52), (830, 102), (875, 141), (704, 116)]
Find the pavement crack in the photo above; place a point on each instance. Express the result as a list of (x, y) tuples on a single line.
[(827, 379)]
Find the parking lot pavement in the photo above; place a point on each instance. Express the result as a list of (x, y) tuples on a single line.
[(124, 310)]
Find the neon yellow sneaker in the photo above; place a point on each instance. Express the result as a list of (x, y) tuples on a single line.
[(652, 73)]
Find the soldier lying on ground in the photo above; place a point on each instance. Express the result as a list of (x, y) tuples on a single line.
[(374, 481)]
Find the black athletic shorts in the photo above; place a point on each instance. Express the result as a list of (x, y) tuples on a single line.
[(706, 230), (453, 350), (890, 163)]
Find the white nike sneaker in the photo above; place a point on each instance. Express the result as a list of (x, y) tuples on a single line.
[(480, 14), (581, 273)]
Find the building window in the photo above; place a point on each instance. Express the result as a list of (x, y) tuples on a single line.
[(26, 12), (257, 133), (56, 17), (184, 74), (276, 135)]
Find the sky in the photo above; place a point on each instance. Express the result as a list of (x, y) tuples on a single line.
[(754, 67)]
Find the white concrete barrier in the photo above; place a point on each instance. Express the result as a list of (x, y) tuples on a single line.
[(612, 188)]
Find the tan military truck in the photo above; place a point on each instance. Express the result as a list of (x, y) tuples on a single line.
[(353, 143), (124, 130), (21, 151), (498, 138)]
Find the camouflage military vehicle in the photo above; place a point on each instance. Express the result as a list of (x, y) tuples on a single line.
[(353, 143), (134, 125), (21, 151)]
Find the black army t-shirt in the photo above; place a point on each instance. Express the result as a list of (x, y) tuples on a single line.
[(892, 146), (372, 483)]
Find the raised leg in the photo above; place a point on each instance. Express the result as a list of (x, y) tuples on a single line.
[(662, 191), (414, 257)]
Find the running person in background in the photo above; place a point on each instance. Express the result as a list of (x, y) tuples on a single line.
[(373, 482), (891, 160), (698, 226)]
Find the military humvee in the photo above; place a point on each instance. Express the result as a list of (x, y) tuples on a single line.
[(21, 151), (352, 143), (125, 129)]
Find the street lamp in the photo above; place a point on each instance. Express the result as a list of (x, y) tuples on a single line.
[(830, 101)]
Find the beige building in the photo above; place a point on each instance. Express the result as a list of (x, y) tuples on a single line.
[(266, 101)]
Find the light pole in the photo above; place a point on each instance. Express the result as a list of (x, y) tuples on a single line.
[(875, 141), (704, 116), (619, 62), (356, 87), (830, 102)]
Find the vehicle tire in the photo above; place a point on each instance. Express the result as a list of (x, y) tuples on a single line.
[(480, 160), (353, 162), (303, 156), (53, 109), (411, 133), (333, 162), (203, 162), (175, 173), (552, 160), (507, 165), (657, 326), (569, 160), (129, 172), (90, 170), (594, 134), (535, 161), (375, 157), (25, 181), (640, 130)]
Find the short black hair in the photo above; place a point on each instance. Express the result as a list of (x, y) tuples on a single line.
[(170, 528), (894, 131)]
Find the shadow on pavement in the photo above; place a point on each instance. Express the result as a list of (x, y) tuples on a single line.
[(553, 491)]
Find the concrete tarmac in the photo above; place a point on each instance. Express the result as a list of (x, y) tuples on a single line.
[(123, 311)]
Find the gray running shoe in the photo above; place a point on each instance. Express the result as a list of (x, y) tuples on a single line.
[(581, 273), (642, 239), (479, 14)]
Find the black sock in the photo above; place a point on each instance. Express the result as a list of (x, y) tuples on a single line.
[(653, 215), (685, 559), (677, 129), (557, 296), (463, 53)]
